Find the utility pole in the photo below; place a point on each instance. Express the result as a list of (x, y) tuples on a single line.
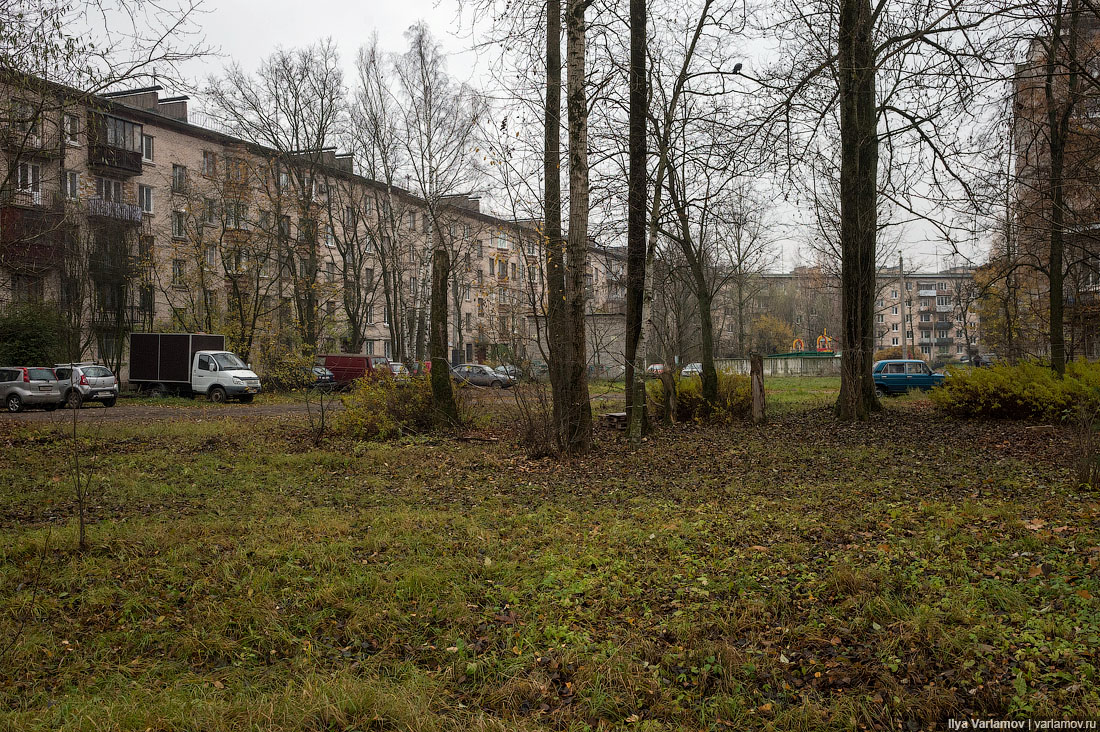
[(904, 309)]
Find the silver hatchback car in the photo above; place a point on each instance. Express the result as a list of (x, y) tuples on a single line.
[(28, 386), (82, 382)]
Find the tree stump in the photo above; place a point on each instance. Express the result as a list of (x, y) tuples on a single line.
[(756, 377)]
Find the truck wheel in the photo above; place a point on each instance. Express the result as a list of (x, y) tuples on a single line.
[(14, 403), (246, 398), (157, 391), (217, 395), (74, 399), (109, 402)]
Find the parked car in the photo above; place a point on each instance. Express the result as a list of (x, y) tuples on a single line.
[(654, 370), (476, 374), (400, 371), (29, 386), (897, 376), (347, 367), (508, 370), (84, 382), (692, 369), (322, 378)]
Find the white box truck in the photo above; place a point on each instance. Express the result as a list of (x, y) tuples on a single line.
[(189, 363)]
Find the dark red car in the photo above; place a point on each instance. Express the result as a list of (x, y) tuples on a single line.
[(347, 367)]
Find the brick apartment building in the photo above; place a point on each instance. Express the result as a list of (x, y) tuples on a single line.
[(129, 217), (934, 315)]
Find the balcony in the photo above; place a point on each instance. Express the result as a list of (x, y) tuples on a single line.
[(29, 144), (926, 325), (926, 293), (114, 211), (945, 341), (32, 229), (945, 308), (114, 146)]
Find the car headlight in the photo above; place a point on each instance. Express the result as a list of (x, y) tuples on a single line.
[(238, 381)]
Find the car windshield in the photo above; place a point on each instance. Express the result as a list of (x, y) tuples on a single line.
[(228, 361)]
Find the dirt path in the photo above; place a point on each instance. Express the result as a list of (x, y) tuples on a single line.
[(146, 412)]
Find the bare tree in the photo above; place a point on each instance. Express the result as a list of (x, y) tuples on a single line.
[(293, 107), (440, 120)]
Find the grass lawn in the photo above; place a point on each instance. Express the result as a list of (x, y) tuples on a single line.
[(804, 575)]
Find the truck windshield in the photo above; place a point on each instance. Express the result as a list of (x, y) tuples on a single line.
[(228, 362)]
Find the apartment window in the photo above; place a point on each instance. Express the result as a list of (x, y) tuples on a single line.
[(909, 334), (209, 211), (145, 247), (72, 184), (880, 318), (368, 206), (513, 270), (109, 190), (209, 162), (70, 126), (370, 348), (880, 303), (894, 310), (480, 253), (425, 223), (926, 350), (502, 268), (330, 236), (908, 286), (147, 148), (480, 307), (943, 300), (234, 170), (465, 232), (145, 302), (29, 178), (330, 272), (925, 318), (303, 269), (237, 215), (412, 220), (27, 288), (330, 308), (177, 271), (894, 294), (894, 327), (481, 276), (368, 276), (179, 225), (466, 292), (466, 320), (145, 198), (941, 285), (211, 255), (179, 178), (893, 341), (284, 227)]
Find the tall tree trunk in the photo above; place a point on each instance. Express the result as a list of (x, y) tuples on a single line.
[(858, 207), (557, 326), (443, 397), (636, 217), (578, 422), (1059, 113), (706, 334)]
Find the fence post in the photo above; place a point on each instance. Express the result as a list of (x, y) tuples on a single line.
[(756, 377)]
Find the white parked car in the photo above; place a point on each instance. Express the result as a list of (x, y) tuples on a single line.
[(692, 369)]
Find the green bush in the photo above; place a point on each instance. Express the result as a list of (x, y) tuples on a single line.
[(734, 398), (1027, 390), (31, 334), (381, 408)]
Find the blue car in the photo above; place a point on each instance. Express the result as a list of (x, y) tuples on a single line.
[(897, 376)]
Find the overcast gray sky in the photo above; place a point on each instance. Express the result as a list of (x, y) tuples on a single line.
[(248, 30)]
